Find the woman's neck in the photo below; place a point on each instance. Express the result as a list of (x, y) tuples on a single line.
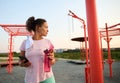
[(37, 37)]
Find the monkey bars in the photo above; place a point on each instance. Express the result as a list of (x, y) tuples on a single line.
[(13, 30), (106, 33)]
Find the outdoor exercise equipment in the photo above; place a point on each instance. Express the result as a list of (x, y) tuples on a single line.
[(87, 68), (106, 33), (96, 69), (82, 46), (13, 30)]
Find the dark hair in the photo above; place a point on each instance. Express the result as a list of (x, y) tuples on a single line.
[(31, 23)]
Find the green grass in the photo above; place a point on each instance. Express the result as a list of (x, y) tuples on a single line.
[(15, 54), (114, 55), (76, 55), (73, 55)]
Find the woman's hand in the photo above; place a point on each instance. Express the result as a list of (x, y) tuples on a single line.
[(22, 61), (22, 64), (51, 57)]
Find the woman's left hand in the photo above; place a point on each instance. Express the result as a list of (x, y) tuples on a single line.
[(51, 57)]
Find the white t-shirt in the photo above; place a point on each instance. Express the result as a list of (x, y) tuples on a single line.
[(35, 54)]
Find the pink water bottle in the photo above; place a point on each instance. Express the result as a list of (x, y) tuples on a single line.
[(46, 60)]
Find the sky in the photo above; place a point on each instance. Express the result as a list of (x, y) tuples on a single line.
[(61, 26)]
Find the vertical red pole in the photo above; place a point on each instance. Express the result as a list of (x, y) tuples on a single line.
[(86, 49), (96, 70), (102, 51), (110, 61), (10, 59), (87, 68)]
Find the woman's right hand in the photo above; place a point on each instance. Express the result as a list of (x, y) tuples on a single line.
[(22, 64), (21, 61)]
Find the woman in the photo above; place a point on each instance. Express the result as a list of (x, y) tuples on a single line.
[(33, 49)]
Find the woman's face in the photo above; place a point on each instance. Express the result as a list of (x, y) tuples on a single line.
[(43, 30)]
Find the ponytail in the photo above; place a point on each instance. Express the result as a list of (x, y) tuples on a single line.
[(31, 23)]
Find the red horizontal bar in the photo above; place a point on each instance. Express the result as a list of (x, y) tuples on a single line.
[(12, 25)]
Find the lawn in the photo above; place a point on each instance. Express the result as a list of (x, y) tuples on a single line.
[(72, 55)]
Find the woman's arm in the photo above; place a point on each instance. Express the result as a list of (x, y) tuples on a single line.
[(22, 62), (22, 53)]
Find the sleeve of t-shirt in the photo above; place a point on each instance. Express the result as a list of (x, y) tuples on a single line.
[(51, 46), (22, 47)]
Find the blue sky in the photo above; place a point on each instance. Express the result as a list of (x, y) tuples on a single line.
[(61, 26)]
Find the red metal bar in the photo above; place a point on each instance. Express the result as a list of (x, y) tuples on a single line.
[(17, 32), (86, 49), (114, 25), (10, 59), (87, 68), (87, 74), (113, 29), (108, 41), (75, 16), (12, 25), (102, 51), (84, 26), (110, 61), (96, 70), (103, 32)]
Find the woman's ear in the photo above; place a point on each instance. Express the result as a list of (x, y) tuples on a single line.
[(37, 28)]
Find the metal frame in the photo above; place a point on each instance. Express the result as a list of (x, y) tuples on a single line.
[(87, 68), (13, 30), (94, 72), (106, 33)]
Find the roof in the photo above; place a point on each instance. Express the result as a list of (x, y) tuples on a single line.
[(79, 39)]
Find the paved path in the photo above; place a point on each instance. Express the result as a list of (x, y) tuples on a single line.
[(64, 73)]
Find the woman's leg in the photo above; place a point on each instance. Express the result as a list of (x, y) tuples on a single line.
[(49, 80)]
